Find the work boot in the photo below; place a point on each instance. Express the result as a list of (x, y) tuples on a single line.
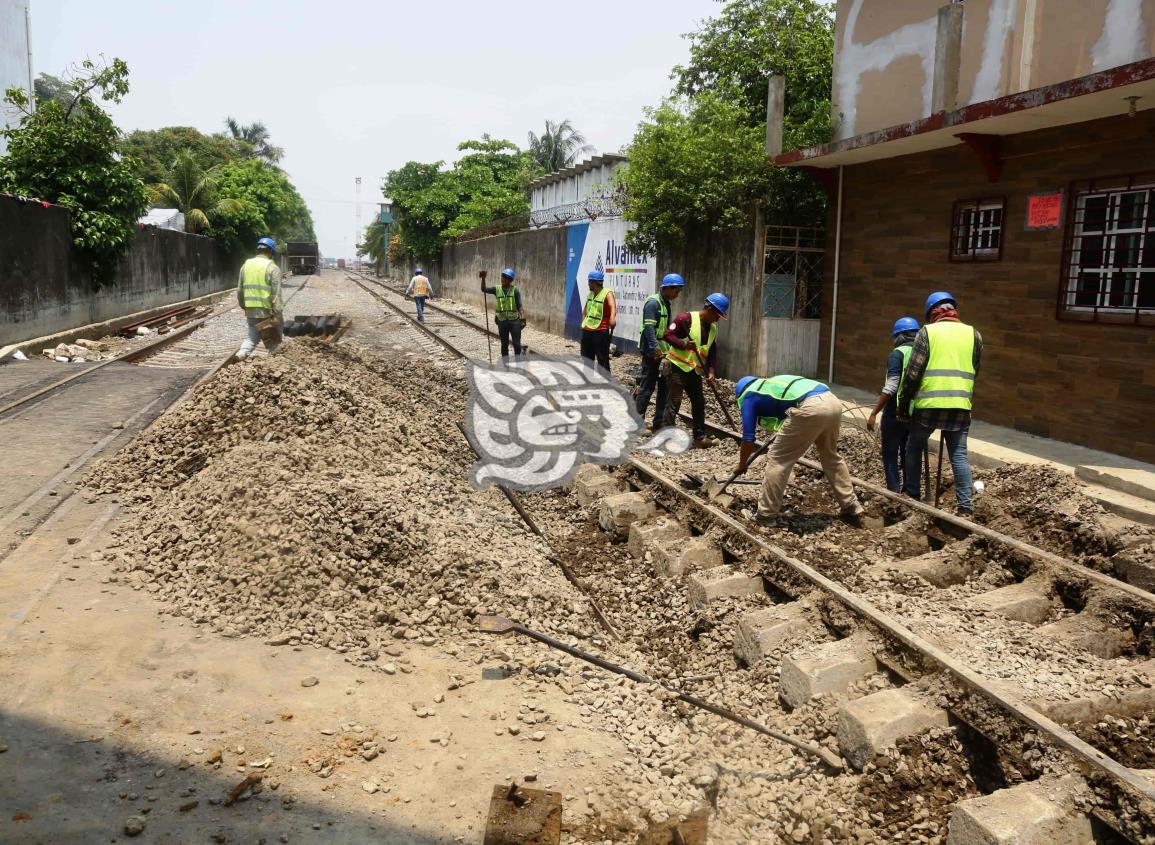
[(855, 519), (704, 442)]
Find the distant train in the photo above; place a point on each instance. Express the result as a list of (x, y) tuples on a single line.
[(304, 258)]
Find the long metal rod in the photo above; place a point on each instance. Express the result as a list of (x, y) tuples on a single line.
[(826, 756), (837, 270)]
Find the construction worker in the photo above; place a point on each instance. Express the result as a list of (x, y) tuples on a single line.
[(803, 413), (655, 321), (692, 357), (421, 289), (509, 313), (259, 294), (937, 393), (601, 318), (894, 431)]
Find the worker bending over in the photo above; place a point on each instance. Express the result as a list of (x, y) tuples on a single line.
[(259, 294), (601, 318), (692, 357), (894, 430), (509, 313), (653, 346), (420, 289), (803, 412), (937, 394)]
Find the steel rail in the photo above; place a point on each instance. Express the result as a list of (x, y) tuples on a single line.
[(898, 631)]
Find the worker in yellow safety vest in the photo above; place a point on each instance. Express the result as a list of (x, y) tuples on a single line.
[(508, 313), (421, 289), (259, 294), (894, 431), (691, 360), (938, 392), (601, 318), (655, 321)]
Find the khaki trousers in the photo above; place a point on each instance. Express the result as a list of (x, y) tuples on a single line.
[(814, 422)]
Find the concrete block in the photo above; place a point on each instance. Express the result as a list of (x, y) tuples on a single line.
[(1136, 566), (1029, 601), (592, 483), (644, 535), (674, 558), (826, 668), (618, 513), (1133, 694), (875, 722), (762, 630), (720, 582), (1091, 634), (951, 565), (1037, 813)]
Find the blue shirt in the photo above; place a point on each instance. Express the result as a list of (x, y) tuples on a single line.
[(756, 405), (893, 377)]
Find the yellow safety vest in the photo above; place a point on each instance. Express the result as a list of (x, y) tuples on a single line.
[(255, 288), (949, 378), (420, 286), (506, 304), (662, 322), (595, 309), (687, 359)]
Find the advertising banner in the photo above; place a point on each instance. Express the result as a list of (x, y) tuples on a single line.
[(600, 245)]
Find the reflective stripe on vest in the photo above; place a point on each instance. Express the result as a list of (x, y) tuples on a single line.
[(686, 359), (949, 378), (782, 388), (595, 309), (255, 288), (420, 286), (663, 321), (506, 303)]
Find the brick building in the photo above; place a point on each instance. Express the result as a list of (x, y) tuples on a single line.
[(982, 149)]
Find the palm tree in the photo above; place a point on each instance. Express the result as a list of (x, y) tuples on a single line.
[(256, 135), (193, 190), (559, 147)]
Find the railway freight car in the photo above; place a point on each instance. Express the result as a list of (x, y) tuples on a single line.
[(304, 258)]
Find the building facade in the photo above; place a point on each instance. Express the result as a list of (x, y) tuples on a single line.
[(15, 56), (982, 149)]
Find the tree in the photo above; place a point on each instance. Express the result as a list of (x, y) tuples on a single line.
[(256, 135), (374, 243), (419, 221), (559, 147), (154, 150), (270, 205), (47, 87), (192, 190), (67, 152)]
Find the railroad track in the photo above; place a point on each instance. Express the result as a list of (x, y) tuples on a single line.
[(913, 611)]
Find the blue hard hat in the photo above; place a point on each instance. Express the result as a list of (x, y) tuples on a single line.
[(719, 302), (418, 271), (508, 273), (742, 384), (597, 276), (938, 298), (673, 280), (269, 243), (905, 324)]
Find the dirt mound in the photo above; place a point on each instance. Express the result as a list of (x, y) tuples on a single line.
[(320, 497)]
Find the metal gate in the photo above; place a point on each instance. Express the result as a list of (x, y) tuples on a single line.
[(793, 262)]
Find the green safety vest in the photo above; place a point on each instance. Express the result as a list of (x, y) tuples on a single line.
[(782, 388), (595, 308), (949, 378), (662, 322), (905, 351), (506, 303), (686, 359), (255, 288)]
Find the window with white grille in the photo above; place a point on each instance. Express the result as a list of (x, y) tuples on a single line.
[(977, 230), (1109, 267)]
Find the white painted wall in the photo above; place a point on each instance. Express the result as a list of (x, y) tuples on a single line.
[(1124, 35), (574, 188), (13, 55)]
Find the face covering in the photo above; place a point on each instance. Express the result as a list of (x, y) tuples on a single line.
[(940, 314)]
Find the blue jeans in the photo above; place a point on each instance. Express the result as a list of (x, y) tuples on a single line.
[(894, 435), (652, 378), (955, 443), (420, 300)]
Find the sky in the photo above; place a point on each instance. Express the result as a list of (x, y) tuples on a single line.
[(356, 88)]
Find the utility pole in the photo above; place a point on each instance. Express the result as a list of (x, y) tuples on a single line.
[(357, 213), (28, 44)]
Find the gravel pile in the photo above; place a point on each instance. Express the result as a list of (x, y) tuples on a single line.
[(318, 497)]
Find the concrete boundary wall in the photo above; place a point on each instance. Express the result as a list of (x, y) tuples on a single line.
[(46, 288)]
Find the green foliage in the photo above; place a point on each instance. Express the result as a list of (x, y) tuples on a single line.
[(47, 87), (154, 150), (698, 161), (559, 147), (193, 190), (374, 243), (268, 205), (66, 152), (256, 137)]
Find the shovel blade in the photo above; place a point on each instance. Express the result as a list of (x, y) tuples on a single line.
[(494, 625)]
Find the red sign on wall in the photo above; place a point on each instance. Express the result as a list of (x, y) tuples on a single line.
[(1044, 211)]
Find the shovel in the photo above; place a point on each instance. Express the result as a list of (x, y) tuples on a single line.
[(717, 489), (714, 388)]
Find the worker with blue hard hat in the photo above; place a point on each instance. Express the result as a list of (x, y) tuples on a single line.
[(894, 430), (937, 392), (691, 359), (259, 294), (599, 321), (421, 289), (509, 313), (799, 413), (655, 321)]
